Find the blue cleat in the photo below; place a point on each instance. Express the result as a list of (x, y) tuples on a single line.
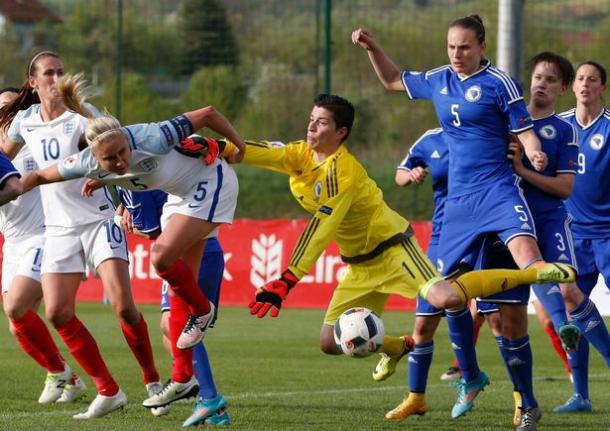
[(467, 393), (220, 418), (575, 404), (208, 408)]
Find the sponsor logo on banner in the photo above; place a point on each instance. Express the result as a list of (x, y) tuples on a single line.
[(255, 251), (266, 260)]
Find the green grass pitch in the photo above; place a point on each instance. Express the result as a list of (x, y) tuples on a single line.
[(275, 378)]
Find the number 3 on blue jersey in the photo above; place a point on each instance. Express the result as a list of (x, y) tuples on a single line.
[(454, 110)]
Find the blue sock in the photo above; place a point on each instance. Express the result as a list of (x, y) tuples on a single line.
[(579, 362), (519, 353), (419, 365), (551, 299), (203, 372), (461, 333), (586, 316), (504, 353)]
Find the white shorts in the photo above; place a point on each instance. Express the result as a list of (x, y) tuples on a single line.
[(21, 256), (74, 249), (213, 198)]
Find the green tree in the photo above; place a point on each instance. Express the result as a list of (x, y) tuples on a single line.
[(206, 35), (220, 86)]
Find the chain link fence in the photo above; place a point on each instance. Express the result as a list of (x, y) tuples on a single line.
[(262, 62)]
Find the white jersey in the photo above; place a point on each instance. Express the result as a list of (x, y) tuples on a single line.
[(49, 143), (154, 162), (207, 192), (23, 216)]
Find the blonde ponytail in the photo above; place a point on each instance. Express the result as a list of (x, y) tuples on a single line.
[(74, 92)]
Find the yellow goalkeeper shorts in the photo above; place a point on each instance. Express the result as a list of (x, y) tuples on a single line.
[(402, 270)]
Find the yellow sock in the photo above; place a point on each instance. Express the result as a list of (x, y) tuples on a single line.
[(491, 281), (393, 346)]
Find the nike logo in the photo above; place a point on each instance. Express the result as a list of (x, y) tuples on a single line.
[(29, 129), (114, 247), (103, 175), (194, 206)]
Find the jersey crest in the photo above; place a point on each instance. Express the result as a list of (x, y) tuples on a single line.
[(548, 132), (317, 190), (597, 141), (473, 93), (69, 128)]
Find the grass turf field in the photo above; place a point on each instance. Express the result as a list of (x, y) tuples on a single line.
[(276, 379)]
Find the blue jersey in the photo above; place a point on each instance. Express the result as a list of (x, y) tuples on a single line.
[(558, 139), (477, 113), (7, 169), (146, 209), (430, 151), (589, 204)]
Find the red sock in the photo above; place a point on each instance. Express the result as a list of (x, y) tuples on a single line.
[(183, 283), (36, 340), (182, 367), (84, 349), (139, 343), (477, 324), (556, 342)]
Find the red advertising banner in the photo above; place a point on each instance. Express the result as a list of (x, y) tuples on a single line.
[(258, 250), (255, 251)]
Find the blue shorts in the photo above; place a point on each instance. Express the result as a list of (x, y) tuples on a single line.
[(496, 255), (498, 209), (555, 237), (209, 280), (593, 257), (423, 307), (487, 307)]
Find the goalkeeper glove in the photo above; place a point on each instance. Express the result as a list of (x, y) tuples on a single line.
[(196, 144), (271, 295)]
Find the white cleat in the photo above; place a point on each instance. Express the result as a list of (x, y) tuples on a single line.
[(172, 391), (154, 388), (72, 391), (54, 385), (194, 330), (102, 405)]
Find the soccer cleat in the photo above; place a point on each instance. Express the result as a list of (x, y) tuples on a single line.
[(553, 272), (220, 418), (54, 385), (172, 391), (205, 409), (153, 388), (414, 404), (569, 335), (517, 414), (72, 391), (387, 364), (576, 404), (452, 374), (194, 330), (102, 405), (529, 418), (467, 393)]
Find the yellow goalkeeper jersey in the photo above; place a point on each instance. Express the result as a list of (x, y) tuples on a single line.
[(344, 201)]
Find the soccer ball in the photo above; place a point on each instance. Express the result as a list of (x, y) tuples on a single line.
[(359, 332)]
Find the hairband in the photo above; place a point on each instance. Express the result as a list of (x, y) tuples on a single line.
[(41, 53)]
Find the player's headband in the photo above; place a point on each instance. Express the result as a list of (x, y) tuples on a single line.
[(36, 57), (99, 138)]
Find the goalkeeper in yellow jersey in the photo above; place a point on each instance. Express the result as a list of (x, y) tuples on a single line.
[(382, 255)]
